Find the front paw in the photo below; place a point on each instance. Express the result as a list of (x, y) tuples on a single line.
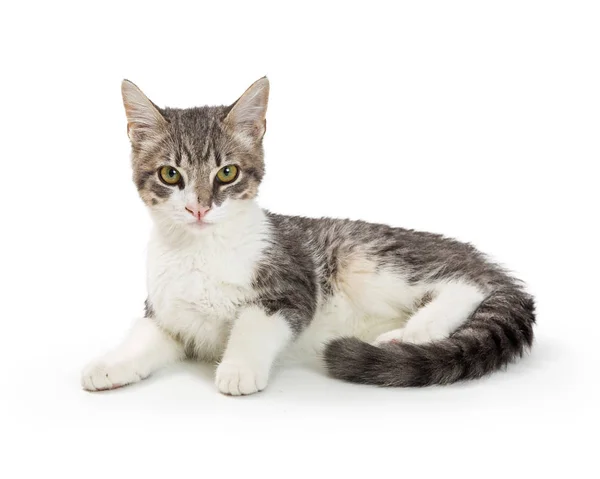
[(104, 373), (236, 378)]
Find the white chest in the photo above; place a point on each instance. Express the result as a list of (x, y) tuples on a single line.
[(196, 291)]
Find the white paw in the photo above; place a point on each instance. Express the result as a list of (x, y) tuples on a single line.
[(236, 378), (421, 332), (105, 374), (393, 336), (417, 333)]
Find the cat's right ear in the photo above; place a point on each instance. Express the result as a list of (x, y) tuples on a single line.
[(144, 121)]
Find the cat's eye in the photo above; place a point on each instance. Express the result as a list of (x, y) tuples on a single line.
[(227, 174), (169, 175)]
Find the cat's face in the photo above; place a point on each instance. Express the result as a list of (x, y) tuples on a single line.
[(197, 167)]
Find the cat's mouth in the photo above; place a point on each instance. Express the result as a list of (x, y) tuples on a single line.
[(199, 224)]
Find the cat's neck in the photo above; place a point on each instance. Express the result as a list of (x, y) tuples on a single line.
[(248, 222)]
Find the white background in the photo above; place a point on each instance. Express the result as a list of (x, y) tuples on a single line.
[(477, 119)]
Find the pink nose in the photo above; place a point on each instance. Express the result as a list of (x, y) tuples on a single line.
[(197, 210)]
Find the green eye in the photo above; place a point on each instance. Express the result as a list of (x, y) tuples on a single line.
[(169, 175), (227, 174)]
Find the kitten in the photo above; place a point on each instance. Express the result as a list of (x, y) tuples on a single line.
[(231, 283)]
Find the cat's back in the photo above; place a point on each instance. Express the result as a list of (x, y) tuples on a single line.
[(335, 233), (332, 242)]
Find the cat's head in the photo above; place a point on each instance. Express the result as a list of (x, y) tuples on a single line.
[(197, 166)]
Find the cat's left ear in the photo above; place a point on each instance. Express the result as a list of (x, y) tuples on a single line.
[(248, 114), (144, 121)]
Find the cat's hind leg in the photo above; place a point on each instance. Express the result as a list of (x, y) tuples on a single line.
[(451, 305), (145, 349)]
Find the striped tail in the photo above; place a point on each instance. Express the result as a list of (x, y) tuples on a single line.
[(498, 331)]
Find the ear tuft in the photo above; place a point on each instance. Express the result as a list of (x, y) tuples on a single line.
[(247, 115), (143, 117)]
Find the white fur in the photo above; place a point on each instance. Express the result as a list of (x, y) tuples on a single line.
[(368, 302), (452, 304), (197, 282), (255, 342), (145, 349)]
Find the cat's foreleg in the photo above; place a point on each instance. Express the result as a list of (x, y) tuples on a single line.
[(256, 340), (145, 349)]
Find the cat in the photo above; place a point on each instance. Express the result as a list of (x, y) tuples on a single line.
[(237, 285)]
